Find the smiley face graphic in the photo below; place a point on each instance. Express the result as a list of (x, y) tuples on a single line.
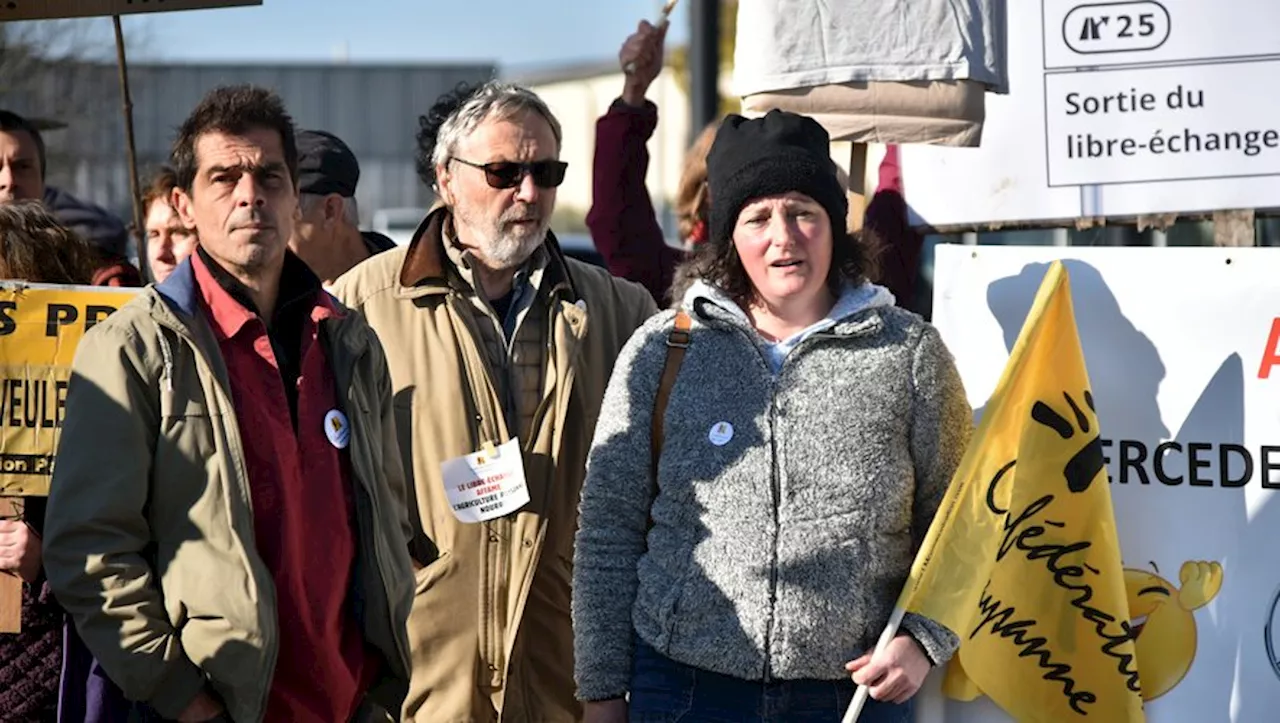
[(1161, 617), (1164, 626)]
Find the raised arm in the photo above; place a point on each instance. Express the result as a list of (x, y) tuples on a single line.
[(622, 220)]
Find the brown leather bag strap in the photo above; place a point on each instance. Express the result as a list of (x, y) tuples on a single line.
[(677, 343)]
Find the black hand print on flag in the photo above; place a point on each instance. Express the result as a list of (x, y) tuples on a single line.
[(1086, 463)]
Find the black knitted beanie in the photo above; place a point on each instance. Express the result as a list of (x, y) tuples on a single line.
[(778, 153)]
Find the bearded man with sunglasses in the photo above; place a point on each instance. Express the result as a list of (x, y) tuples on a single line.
[(499, 349)]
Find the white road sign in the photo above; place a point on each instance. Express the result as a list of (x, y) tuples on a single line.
[(1118, 109)]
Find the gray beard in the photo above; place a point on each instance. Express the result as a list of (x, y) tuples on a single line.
[(494, 243), (506, 251)]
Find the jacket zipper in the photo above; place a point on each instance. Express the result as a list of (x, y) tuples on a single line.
[(775, 495), (775, 490), (488, 637), (775, 483), (545, 400), (266, 609), (167, 353)]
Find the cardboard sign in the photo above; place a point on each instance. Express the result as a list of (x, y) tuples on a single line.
[(13, 10), (40, 327)]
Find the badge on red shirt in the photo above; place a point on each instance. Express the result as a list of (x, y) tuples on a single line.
[(337, 429)]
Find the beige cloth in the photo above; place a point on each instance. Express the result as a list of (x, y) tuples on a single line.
[(943, 112)]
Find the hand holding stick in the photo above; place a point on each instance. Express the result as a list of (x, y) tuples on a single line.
[(629, 67)]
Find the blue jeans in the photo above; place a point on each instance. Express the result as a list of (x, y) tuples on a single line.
[(664, 691)]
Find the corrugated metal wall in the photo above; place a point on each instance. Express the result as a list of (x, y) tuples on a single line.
[(374, 109)]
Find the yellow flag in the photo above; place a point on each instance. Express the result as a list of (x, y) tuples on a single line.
[(1022, 560)]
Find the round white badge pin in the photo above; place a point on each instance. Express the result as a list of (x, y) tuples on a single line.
[(721, 433), (337, 429)]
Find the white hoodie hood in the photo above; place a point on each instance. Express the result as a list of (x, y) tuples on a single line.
[(852, 300)]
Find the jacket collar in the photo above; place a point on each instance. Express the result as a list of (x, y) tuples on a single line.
[(181, 293), (855, 312), (180, 290), (427, 264)]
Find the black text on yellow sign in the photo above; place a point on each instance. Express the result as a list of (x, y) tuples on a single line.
[(40, 328)]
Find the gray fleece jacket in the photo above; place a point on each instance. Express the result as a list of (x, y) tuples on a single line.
[(789, 506)]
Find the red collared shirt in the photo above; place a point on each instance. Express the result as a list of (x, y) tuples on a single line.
[(300, 482)]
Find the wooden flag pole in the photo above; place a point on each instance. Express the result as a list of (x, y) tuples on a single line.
[(10, 582), (863, 693)]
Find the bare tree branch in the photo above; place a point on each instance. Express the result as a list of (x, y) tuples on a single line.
[(40, 63)]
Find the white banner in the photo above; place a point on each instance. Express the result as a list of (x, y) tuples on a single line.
[(1117, 109), (1181, 347)]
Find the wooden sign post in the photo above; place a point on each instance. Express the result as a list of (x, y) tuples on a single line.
[(10, 584), (14, 10)]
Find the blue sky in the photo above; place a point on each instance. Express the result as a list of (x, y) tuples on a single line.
[(512, 33)]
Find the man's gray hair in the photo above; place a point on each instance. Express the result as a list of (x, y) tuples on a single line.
[(494, 99), (350, 210)]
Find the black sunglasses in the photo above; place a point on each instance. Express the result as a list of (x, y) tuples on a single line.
[(506, 174)]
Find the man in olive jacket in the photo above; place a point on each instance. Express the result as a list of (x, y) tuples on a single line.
[(494, 337), (227, 523)]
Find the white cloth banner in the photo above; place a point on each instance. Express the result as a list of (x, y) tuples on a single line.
[(1180, 346)]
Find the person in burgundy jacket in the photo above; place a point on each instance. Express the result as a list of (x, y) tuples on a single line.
[(624, 224)]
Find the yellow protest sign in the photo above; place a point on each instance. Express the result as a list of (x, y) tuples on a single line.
[(1022, 560), (40, 327)]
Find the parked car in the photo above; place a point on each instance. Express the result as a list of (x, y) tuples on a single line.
[(398, 224), (581, 247)]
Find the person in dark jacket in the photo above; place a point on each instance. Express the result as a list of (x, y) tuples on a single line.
[(622, 220), (329, 238), (22, 159), (23, 164)]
